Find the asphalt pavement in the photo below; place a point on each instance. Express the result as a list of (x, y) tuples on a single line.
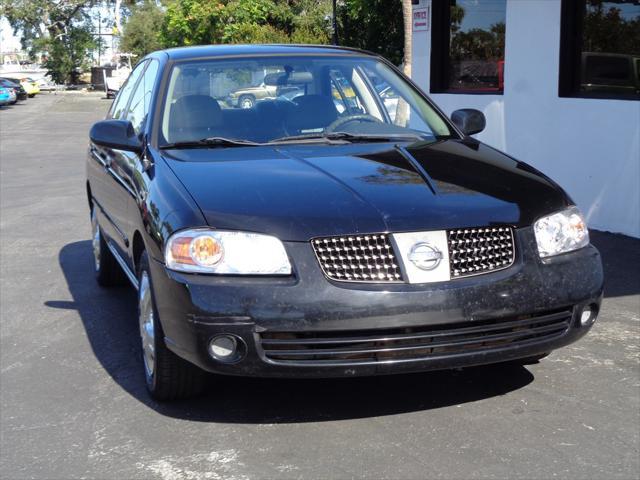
[(73, 402)]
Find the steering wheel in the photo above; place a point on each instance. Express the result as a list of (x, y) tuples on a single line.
[(361, 117)]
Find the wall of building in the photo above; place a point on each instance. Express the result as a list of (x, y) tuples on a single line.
[(589, 146)]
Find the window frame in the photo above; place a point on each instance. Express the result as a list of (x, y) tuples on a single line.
[(570, 68), (440, 53), (142, 85), (143, 66)]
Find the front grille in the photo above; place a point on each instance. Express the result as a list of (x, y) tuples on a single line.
[(479, 250), (414, 343), (371, 258), (358, 258)]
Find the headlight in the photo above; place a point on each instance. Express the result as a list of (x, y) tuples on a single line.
[(561, 232), (214, 251)]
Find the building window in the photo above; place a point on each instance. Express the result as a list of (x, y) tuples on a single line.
[(467, 46), (600, 49)]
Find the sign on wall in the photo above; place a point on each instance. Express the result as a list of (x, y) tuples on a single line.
[(421, 19)]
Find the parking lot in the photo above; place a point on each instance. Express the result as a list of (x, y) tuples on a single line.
[(73, 402)]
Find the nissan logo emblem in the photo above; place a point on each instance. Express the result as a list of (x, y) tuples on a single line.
[(425, 256)]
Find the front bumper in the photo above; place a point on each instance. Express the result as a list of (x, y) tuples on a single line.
[(195, 308)]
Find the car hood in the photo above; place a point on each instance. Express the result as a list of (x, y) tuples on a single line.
[(299, 192)]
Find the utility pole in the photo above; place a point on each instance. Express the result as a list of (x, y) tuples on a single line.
[(99, 37), (335, 25)]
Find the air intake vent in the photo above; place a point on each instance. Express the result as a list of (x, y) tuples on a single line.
[(358, 258), (480, 250), (412, 343)]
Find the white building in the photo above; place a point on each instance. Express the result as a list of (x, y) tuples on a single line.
[(588, 141)]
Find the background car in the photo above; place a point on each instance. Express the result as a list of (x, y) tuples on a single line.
[(29, 85), (21, 94), (247, 97), (610, 72), (4, 96), (13, 98)]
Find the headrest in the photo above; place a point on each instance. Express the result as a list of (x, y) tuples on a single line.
[(195, 111), (312, 112)]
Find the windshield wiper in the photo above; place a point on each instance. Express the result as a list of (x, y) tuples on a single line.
[(347, 137), (211, 142)]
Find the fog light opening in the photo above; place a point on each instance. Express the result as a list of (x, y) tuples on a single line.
[(226, 348), (588, 315)]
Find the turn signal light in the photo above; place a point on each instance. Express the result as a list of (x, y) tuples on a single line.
[(202, 250)]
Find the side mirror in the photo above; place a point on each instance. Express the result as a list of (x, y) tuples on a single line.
[(469, 120), (118, 134)]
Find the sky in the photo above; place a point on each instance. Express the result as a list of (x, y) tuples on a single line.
[(11, 43), (482, 14), (8, 41)]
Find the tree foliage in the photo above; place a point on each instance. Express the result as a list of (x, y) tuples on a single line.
[(202, 22), (59, 28), (606, 30), (68, 55), (142, 31), (374, 25)]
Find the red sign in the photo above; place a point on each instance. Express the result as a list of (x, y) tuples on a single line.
[(420, 19)]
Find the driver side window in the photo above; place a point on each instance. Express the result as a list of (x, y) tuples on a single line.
[(119, 104), (139, 105)]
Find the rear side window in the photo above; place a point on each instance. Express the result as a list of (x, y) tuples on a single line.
[(119, 104), (139, 105)]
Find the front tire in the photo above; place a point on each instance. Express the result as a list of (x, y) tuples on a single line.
[(106, 268), (246, 101), (168, 377)]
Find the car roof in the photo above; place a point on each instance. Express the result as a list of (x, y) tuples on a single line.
[(186, 53)]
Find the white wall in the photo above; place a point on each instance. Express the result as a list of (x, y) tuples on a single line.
[(589, 146)]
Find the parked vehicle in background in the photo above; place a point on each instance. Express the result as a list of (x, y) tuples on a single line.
[(248, 96), (610, 72), (13, 97), (292, 239), (21, 93), (116, 78), (45, 84), (4, 96), (30, 86)]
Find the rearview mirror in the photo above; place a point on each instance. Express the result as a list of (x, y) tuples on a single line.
[(118, 134), (469, 120), (293, 78)]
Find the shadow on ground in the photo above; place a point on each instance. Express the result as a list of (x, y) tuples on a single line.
[(108, 316), (621, 263)]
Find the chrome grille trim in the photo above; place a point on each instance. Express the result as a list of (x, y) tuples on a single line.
[(358, 258), (474, 251), (388, 345)]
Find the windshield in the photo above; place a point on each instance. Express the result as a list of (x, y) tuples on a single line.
[(279, 98)]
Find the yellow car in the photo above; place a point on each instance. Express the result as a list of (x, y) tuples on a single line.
[(30, 86)]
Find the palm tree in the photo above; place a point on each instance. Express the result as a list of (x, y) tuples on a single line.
[(407, 17), (402, 110)]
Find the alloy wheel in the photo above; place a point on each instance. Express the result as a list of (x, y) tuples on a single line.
[(147, 332), (95, 240)]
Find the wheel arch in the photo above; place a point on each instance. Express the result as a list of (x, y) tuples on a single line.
[(89, 196), (137, 247)]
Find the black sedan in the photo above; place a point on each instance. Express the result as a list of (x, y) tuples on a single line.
[(21, 94), (331, 234)]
